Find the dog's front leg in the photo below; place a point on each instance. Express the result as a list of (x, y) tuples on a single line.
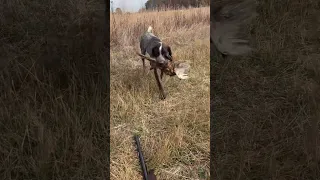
[(160, 85)]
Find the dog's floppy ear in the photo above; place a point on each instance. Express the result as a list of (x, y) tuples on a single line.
[(181, 69), (168, 52)]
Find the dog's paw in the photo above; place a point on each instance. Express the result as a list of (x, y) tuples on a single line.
[(163, 96)]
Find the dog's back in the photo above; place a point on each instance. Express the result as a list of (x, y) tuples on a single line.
[(148, 41)]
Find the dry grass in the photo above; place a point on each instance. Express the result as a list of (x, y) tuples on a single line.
[(175, 132), (265, 107), (53, 115)]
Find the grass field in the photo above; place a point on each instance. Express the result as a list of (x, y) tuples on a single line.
[(266, 106), (175, 132), (53, 106), (53, 100)]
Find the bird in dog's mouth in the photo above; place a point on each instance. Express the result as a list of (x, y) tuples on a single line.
[(170, 68)]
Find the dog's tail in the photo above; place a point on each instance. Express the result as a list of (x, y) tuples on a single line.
[(150, 29)]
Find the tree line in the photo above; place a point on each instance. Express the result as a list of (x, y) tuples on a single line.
[(154, 4)]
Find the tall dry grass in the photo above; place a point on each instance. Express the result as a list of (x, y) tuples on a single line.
[(175, 132), (53, 108)]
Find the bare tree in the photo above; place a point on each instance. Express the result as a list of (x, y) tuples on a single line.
[(118, 11)]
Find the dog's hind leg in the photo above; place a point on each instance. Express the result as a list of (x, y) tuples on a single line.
[(160, 85)]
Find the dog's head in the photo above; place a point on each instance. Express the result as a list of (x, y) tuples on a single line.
[(164, 61), (170, 67)]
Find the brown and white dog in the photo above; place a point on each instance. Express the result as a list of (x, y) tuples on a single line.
[(160, 59)]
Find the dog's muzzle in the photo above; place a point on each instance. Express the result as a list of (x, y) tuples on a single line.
[(161, 60), (166, 66)]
